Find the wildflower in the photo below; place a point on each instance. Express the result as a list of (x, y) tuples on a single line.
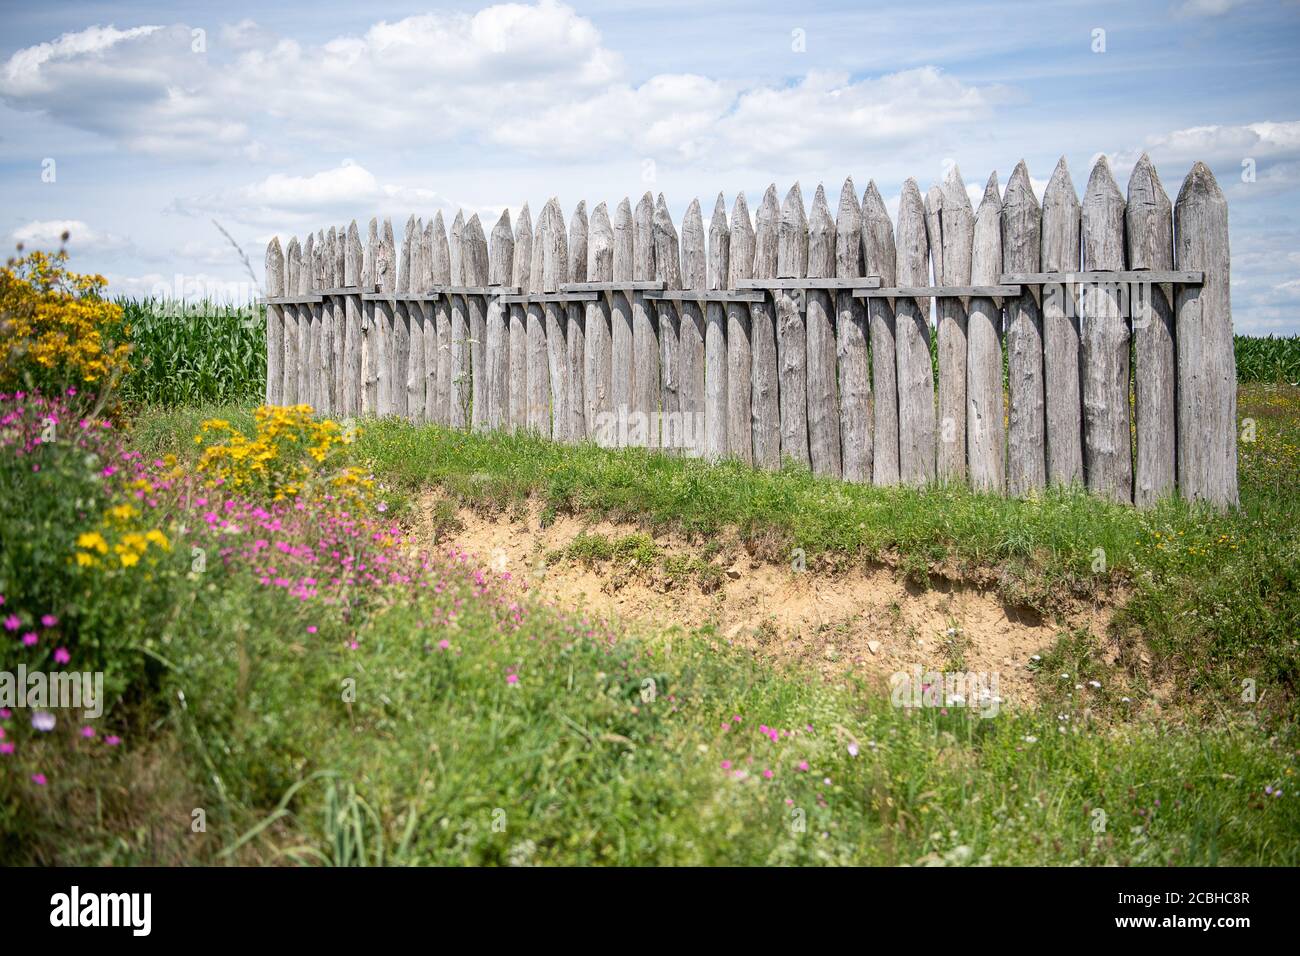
[(30, 639), (61, 655), (512, 678), (311, 628), (43, 721), (853, 749), (726, 765), (803, 765), (48, 620), (768, 774), (444, 644), (6, 748), (112, 740), (12, 623), (88, 732), (38, 779)]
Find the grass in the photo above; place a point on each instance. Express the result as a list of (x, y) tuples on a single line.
[(1267, 359), (1210, 600)]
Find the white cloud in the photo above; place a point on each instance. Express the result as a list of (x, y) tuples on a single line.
[(47, 234), (536, 79)]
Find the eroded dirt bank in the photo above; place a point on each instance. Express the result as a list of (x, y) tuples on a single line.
[(870, 623)]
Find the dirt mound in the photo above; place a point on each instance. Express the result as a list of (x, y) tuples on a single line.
[(871, 623)]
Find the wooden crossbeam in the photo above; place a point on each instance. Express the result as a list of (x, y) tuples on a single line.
[(938, 291), (861, 282), (1175, 277)]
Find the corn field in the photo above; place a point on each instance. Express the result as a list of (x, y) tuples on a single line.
[(1268, 359), (194, 352)]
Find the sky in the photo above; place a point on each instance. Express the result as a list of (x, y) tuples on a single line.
[(140, 128)]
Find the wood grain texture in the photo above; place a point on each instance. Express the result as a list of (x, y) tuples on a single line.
[(428, 343), (577, 326), (338, 333), (694, 258), (474, 248), (956, 223), (715, 336), (668, 269), (440, 370), (740, 266), (916, 412), (1148, 227), (539, 375), (765, 411), (986, 440), (353, 262), (823, 409), (1207, 372), (1107, 440), (274, 323), (851, 351), (520, 277), (1022, 252), (404, 384), (1060, 252), (369, 333), (643, 421), (555, 270), (501, 253), (622, 336), (598, 392), (306, 284), (416, 373), (791, 336), (385, 319), (292, 285), (459, 382), (879, 258)]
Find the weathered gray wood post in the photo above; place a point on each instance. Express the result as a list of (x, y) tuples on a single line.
[(598, 391), (1022, 252), (716, 378), (440, 362), (385, 341), (823, 408), (879, 259), (854, 373), (353, 261), (916, 413), (520, 278), (1207, 369), (475, 267), (320, 279), (622, 337), (292, 284), (415, 371), (274, 323), (985, 431), (306, 285), (1148, 220), (338, 327), (501, 253), (401, 352), (369, 332), (1107, 439), (740, 429), (577, 326), (643, 421), (459, 383), (695, 269), (329, 280), (668, 269), (1060, 252), (406, 325), (423, 335), (555, 270), (791, 336), (539, 376), (953, 267), (765, 407)]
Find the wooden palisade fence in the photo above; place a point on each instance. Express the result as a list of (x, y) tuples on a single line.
[(800, 334)]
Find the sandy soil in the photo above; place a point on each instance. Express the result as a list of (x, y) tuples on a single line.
[(870, 623)]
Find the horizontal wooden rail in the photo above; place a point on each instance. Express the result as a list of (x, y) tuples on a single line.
[(714, 295), (861, 282), (632, 285), (523, 298), (938, 291), (1132, 275)]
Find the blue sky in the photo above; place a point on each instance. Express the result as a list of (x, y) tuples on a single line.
[(278, 120)]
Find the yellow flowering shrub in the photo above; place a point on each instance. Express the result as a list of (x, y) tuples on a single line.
[(291, 452), (56, 331), (119, 541)]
